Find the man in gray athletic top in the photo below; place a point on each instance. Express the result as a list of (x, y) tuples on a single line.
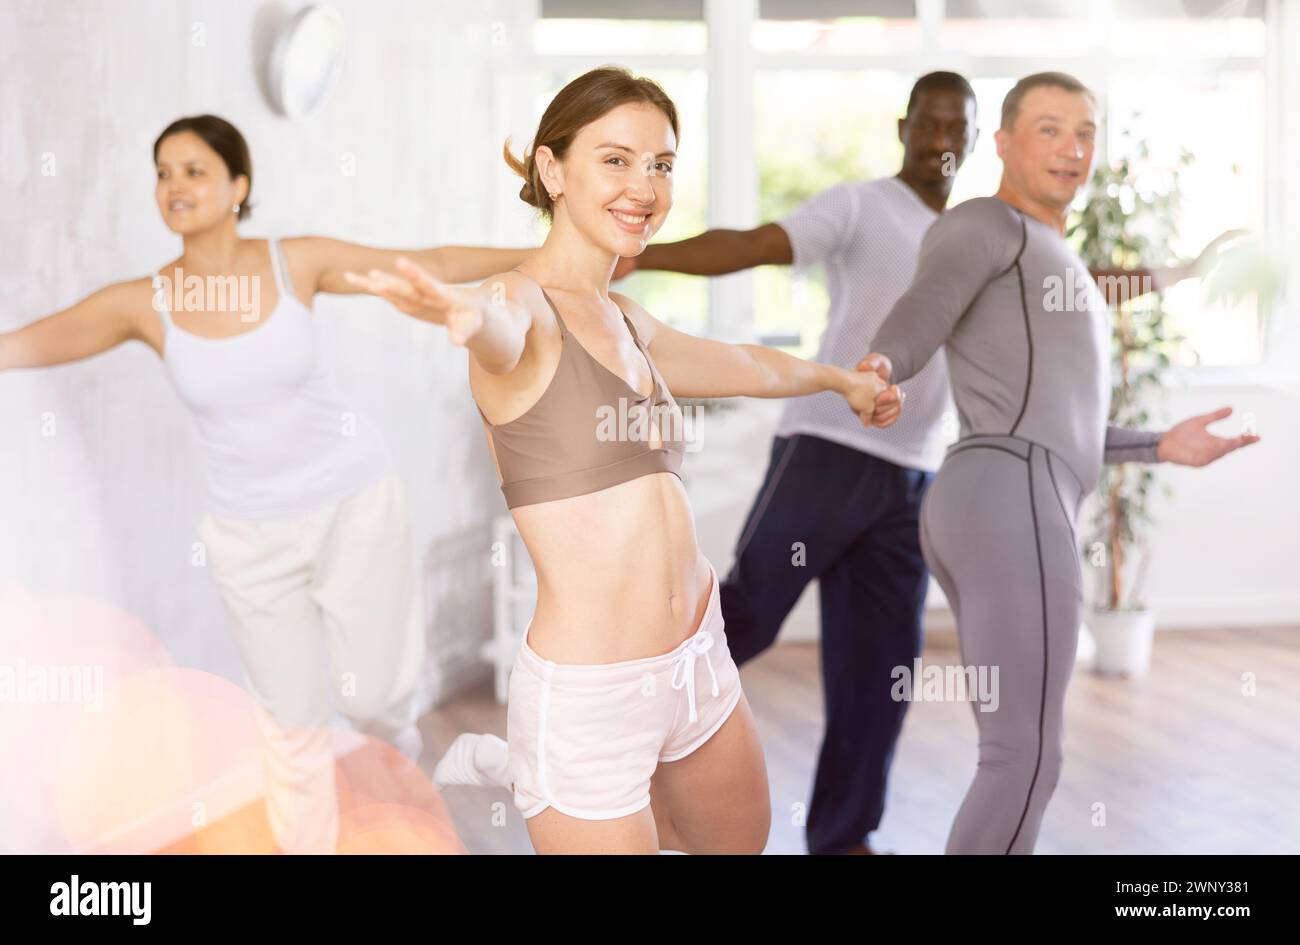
[(1028, 357)]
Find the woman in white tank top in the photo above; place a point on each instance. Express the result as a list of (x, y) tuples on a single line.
[(307, 533)]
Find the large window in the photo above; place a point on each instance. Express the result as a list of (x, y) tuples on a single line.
[(826, 80), (1219, 120), (815, 128)]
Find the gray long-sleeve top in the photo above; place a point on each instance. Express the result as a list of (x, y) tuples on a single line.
[(1025, 331)]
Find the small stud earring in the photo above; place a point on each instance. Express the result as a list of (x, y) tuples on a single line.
[(552, 196), (235, 208)]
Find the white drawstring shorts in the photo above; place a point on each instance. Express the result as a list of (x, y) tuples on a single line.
[(586, 739)]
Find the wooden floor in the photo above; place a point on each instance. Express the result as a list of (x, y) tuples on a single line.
[(1184, 760)]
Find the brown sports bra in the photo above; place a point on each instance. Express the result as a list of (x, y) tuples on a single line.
[(588, 431)]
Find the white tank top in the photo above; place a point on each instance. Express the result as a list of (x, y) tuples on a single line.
[(280, 438)]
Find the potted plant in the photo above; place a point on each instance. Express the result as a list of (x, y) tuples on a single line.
[(1128, 223), (1125, 225)]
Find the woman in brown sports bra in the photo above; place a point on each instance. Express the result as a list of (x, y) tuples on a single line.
[(627, 727)]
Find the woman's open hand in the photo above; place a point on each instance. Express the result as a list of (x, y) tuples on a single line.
[(418, 294)]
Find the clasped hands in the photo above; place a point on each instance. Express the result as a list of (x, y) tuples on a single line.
[(877, 402)]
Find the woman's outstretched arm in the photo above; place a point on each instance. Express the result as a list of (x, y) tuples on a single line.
[(97, 323), (326, 261), (704, 367)]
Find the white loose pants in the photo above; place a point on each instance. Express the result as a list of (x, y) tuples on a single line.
[(324, 610)]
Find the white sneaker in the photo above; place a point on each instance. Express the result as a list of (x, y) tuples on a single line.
[(480, 760)]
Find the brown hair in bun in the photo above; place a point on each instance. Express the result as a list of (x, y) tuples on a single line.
[(584, 100)]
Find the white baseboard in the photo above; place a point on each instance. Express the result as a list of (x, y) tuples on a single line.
[(1256, 610), (803, 624)]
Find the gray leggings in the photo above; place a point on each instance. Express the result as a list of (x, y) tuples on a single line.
[(997, 530)]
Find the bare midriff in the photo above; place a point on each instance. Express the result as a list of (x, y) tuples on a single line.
[(620, 575)]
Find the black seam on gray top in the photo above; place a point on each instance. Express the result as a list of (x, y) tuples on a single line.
[(1069, 520), (988, 446), (1024, 307), (1024, 241), (1029, 442), (1042, 704)]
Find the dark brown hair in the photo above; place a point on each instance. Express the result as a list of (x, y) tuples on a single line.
[(1059, 80), (939, 82), (578, 104), (224, 138)]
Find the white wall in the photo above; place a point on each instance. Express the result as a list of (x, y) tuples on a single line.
[(1225, 549), (108, 506)]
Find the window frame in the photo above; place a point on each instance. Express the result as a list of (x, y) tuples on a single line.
[(731, 63)]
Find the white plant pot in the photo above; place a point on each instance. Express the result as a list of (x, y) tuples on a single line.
[(1123, 641)]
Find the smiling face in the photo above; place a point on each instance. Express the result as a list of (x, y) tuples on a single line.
[(940, 123), (616, 178), (195, 190), (1047, 153)]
